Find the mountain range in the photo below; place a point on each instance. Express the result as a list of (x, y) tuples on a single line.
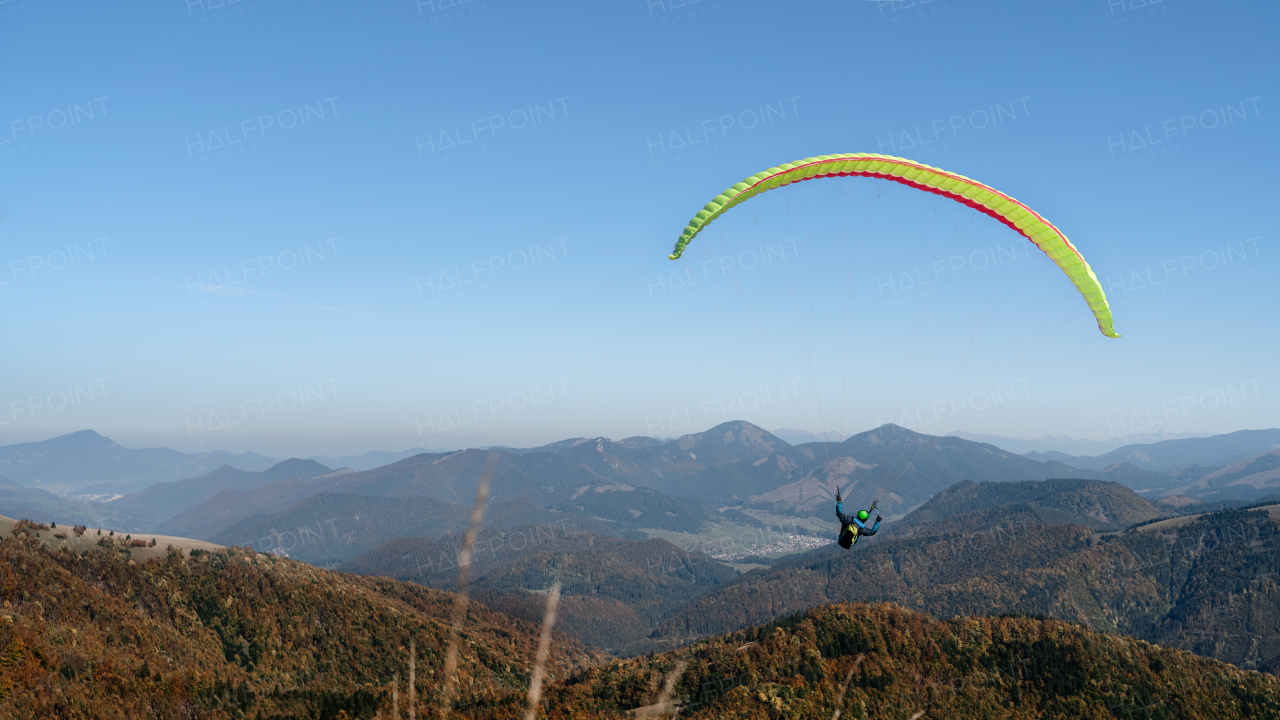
[(1070, 445), (164, 500), (637, 486), (86, 463), (735, 473), (89, 462), (628, 530), (1169, 455)]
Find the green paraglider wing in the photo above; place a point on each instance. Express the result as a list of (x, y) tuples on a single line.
[(974, 194)]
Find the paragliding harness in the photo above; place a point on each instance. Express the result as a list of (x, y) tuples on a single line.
[(849, 532)]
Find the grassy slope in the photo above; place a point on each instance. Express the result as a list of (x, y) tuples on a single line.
[(92, 536)]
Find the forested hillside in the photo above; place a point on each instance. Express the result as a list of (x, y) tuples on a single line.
[(235, 634), (19, 501), (86, 458), (614, 591), (634, 485), (1207, 584), (885, 662), (166, 499), (1097, 504), (544, 480), (333, 527)]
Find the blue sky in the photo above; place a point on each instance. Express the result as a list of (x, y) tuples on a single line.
[(300, 228)]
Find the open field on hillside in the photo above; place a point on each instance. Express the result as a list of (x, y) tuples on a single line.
[(65, 536), (1172, 523), (729, 541)]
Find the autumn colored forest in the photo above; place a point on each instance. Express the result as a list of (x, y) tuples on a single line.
[(238, 634)]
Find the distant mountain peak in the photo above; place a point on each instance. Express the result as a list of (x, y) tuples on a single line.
[(298, 463), (80, 439), (886, 432), (735, 433), (85, 434), (1122, 465)]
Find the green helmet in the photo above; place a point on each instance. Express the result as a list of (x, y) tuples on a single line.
[(862, 515)]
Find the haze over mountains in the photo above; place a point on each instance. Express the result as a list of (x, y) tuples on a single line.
[(1070, 445), (637, 486), (82, 460), (164, 500), (735, 471), (1214, 451)]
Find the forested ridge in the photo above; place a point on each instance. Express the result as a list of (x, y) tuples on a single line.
[(886, 662), (1208, 585), (614, 590), (234, 634)]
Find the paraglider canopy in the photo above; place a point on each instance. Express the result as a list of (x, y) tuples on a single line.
[(988, 200)]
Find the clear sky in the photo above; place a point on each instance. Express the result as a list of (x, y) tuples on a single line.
[(317, 227)]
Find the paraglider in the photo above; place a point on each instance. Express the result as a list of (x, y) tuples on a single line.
[(851, 526), (974, 194)]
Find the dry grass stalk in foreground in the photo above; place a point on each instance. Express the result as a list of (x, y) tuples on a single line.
[(544, 649), (464, 578), (845, 686)]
